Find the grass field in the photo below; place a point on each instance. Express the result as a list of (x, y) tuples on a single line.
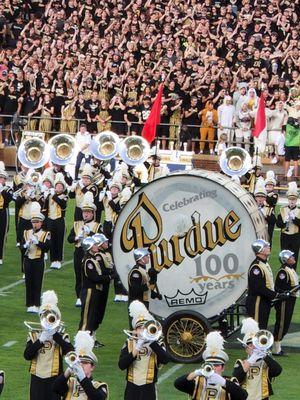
[(12, 329)]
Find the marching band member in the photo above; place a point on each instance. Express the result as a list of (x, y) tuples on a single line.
[(60, 169), (156, 170), (141, 282), (6, 196), (77, 381), (257, 371), (260, 196), (271, 202), (96, 276), (2, 381), (44, 350), (101, 174), (289, 222), (87, 226), (47, 185), (286, 281), (79, 189), (55, 208), (18, 184), (142, 355), (35, 243), (261, 285), (200, 385), (83, 140), (252, 175), (110, 202)]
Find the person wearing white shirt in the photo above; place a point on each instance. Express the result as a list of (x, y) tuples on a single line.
[(226, 114), (83, 140)]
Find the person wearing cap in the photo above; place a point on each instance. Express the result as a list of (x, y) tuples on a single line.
[(286, 281), (80, 188), (255, 373), (55, 208), (45, 349), (288, 220), (87, 226), (141, 283), (77, 381), (95, 277), (141, 357), (261, 285), (6, 195), (215, 386), (83, 140), (155, 170), (34, 245), (60, 169), (110, 203)]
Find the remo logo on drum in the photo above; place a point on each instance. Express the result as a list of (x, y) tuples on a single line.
[(198, 227)]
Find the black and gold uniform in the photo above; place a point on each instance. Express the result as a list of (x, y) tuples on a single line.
[(286, 280), (23, 205), (110, 203), (18, 183), (45, 363), (256, 378), (96, 276), (270, 204), (289, 221), (139, 285), (55, 209), (78, 194), (101, 175), (34, 245), (260, 291), (2, 381), (87, 389), (142, 369), (56, 169), (198, 389), (80, 230), (252, 177), (6, 196)]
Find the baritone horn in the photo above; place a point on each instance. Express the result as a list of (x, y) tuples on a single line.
[(134, 150), (71, 359), (235, 161), (62, 148), (104, 146), (263, 340), (33, 153)]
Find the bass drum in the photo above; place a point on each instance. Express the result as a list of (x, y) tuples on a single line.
[(199, 227)]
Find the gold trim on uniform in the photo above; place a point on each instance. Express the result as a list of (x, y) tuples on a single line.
[(142, 370), (76, 392), (209, 392), (292, 228), (145, 281), (34, 251), (86, 308)]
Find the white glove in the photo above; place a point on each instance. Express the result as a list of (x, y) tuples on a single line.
[(26, 244), (78, 371), (45, 336), (73, 186), (81, 184), (34, 240), (140, 344), (101, 195), (86, 229), (198, 372), (52, 191), (216, 379), (292, 215), (256, 355), (109, 196)]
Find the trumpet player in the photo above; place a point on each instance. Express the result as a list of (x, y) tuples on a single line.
[(79, 189), (256, 372), (271, 201), (96, 276), (87, 226), (35, 243), (55, 208), (46, 345), (6, 196), (77, 381), (142, 355), (110, 203), (289, 222), (286, 281), (207, 382), (260, 195)]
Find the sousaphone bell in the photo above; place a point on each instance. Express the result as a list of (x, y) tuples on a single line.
[(134, 150), (33, 153), (104, 146), (235, 161), (62, 149)]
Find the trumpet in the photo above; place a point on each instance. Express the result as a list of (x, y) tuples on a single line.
[(207, 370), (19, 192), (71, 359), (263, 340)]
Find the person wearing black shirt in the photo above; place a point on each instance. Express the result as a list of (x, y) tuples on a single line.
[(92, 108), (191, 117), (132, 115), (29, 108), (47, 111), (117, 114), (10, 107), (80, 112)]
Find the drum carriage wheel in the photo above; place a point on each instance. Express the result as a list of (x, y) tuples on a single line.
[(184, 333)]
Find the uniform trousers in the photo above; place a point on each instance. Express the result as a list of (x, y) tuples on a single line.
[(57, 228), (23, 224), (77, 260), (291, 242), (78, 214), (143, 392), (259, 309), (41, 388), (34, 272), (4, 225), (284, 313), (92, 310)]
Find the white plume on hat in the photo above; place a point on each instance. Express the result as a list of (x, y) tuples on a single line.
[(84, 344), (292, 190), (249, 329), (49, 298), (47, 175), (88, 201), (2, 166), (35, 211), (270, 177), (59, 178), (260, 188), (139, 313), (87, 171), (214, 352)]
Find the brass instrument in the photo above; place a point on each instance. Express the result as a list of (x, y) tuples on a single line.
[(71, 359), (104, 146), (235, 161), (263, 340), (134, 150), (33, 153), (152, 331), (62, 148), (207, 369), (50, 320), (19, 192)]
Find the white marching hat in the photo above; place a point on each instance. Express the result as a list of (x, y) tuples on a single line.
[(292, 190), (214, 352), (84, 344), (88, 202), (49, 302), (249, 330), (270, 178), (35, 212), (139, 314)]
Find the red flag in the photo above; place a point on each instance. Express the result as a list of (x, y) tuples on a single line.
[(149, 129), (260, 121)]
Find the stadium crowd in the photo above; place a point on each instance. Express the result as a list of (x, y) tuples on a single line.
[(102, 61)]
